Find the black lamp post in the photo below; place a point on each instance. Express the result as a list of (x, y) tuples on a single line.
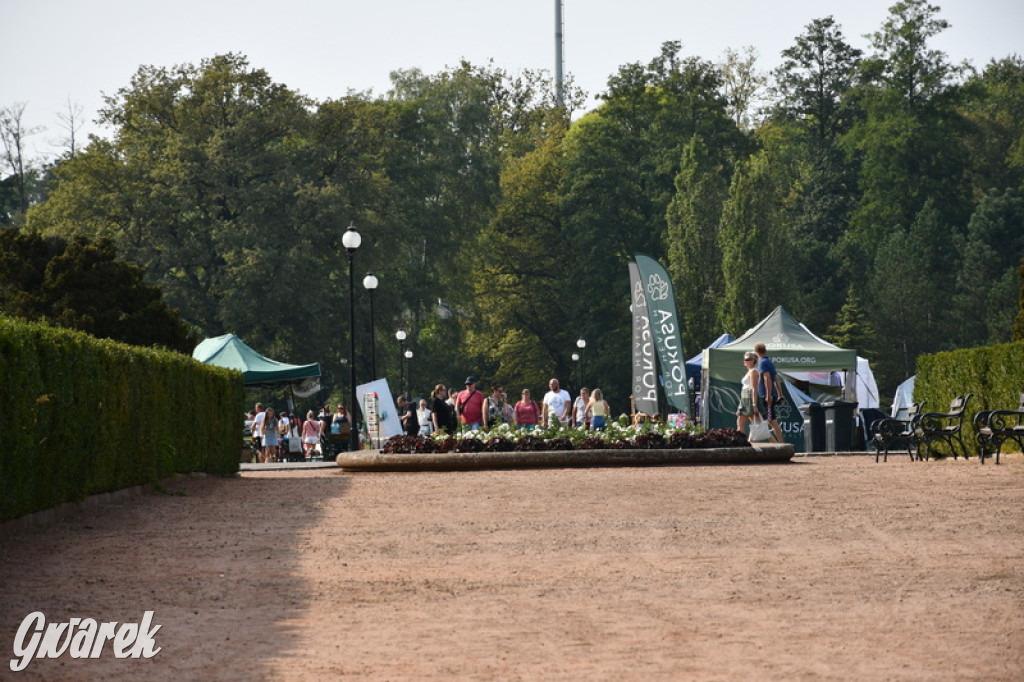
[(370, 283), (581, 344), (400, 335), (576, 369), (408, 372), (351, 241)]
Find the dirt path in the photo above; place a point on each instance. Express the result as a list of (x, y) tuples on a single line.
[(825, 568)]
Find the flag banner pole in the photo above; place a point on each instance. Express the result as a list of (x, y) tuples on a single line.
[(664, 322)]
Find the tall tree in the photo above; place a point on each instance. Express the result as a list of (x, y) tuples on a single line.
[(910, 139), (986, 284), (208, 184), (815, 76), (18, 190), (520, 334), (756, 241), (694, 244)]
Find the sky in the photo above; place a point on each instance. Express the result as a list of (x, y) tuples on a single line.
[(56, 52)]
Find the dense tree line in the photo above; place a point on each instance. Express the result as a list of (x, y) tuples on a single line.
[(879, 197)]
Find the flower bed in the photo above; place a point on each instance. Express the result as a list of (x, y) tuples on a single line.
[(615, 437)]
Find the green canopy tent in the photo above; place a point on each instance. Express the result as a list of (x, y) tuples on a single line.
[(793, 348), (231, 352)]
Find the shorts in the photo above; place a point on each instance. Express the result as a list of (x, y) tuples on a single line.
[(597, 423), (311, 440), (746, 407)]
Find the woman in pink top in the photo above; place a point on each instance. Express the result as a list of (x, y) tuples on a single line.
[(527, 412), (311, 434)]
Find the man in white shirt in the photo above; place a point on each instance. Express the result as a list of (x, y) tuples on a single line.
[(557, 403)]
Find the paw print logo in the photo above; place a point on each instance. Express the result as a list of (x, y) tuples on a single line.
[(657, 288), (638, 296)]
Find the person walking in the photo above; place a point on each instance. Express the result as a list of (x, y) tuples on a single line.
[(527, 411), (768, 391), (579, 409), (469, 405), (556, 405), (746, 410), (268, 433), (597, 411), (311, 435), (442, 416)]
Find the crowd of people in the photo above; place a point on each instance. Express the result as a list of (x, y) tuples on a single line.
[(280, 437), (284, 436), (449, 410), (290, 437)]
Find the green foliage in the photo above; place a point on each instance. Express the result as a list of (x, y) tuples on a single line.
[(87, 416), (81, 285), (500, 227), (853, 327), (994, 374), (694, 251)]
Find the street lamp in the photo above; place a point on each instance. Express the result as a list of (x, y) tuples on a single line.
[(370, 283), (575, 366), (581, 344), (408, 371), (400, 335), (351, 241)]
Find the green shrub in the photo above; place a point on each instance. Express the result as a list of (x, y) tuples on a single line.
[(994, 374), (88, 416)]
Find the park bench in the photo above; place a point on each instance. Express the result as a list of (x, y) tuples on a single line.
[(889, 432), (943, 426), (992, 428)]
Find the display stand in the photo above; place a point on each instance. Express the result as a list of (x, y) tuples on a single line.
[(370, 411)]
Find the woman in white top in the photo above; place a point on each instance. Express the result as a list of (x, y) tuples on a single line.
[(423, 417), (746, 410), (597, 411)]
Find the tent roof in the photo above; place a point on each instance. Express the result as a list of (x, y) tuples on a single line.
[(229, 351), (791, 345), (722, 340)]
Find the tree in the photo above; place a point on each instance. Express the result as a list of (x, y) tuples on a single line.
[(910, 290), (986, 283), (910, 140), (853, 328), (20, 188), (741, 84), (694, 243), (1018, 323), (208, 185), (520, 335), (815, 76), (755, 235), (81, 285)]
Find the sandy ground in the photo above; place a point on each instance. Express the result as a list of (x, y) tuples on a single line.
[(824, 568)]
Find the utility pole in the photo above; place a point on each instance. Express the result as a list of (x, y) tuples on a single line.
[(559, 77)]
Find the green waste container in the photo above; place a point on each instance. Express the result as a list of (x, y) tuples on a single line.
[(814, 426), (839, 425)]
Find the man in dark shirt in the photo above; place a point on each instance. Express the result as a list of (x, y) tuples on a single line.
[(768, 389)]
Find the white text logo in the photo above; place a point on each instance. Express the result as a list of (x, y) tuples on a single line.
[(81, 638)]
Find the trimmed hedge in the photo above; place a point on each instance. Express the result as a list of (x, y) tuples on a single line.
[(87, 416), (994, 374)]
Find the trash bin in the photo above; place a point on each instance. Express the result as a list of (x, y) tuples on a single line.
[(814, 427), (839, 425)]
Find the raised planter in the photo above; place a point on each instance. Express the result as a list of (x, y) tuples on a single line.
[(372, 460)]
